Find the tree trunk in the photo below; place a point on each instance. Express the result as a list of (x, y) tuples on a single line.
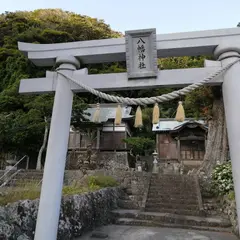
[(39, 159), (217, 143)]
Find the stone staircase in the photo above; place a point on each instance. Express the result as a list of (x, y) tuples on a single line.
[(177, 194), (169, 220), (173, 201), (125, 201), (23, 178)]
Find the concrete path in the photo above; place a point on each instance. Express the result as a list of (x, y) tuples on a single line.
[(118, 232)]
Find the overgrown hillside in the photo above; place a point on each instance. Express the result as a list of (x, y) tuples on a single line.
[(22, 117)]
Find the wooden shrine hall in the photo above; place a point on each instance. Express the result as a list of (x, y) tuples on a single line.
[(181, 141)]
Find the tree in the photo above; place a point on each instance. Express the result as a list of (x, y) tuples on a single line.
[(217, 143), (139, 145), (25, 119), (205, 102), (43, 104), (39, 158)]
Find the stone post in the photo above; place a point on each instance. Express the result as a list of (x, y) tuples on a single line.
[(179, 150), (98, 139), (155, 163), (51, 192), (227, 53)]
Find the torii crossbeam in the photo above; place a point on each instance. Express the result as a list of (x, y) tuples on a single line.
[(223, 44)]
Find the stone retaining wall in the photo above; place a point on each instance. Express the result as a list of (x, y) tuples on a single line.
[(112, 160), (79, 213), (103, 160), (135, 182)]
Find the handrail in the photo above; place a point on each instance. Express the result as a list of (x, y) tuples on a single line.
[(19, 170), (13, 167), (39, 182)]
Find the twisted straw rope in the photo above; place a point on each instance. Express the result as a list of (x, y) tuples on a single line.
[(151, 100)]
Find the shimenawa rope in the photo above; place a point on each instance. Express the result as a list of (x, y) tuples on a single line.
[(151, 100)]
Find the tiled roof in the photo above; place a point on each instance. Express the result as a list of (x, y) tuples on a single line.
[(108, 112), (171, 124)]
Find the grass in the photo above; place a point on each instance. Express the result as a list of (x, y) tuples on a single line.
[(101, 181), (231, 195), (25, 190), (31, 190)]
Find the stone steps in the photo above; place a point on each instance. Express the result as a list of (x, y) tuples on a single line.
[(24, 177), (128, 191), (172, 206), (175, 186), (158, 192), (171, 185), (25, 180), (172, 200), (166, 186), (162, 194), (126, 204), (169, 179), (148, 223), (125, 201), (135, 217), (176, 194), (29, 175), (174, 211), (124, 196), (169, 190)]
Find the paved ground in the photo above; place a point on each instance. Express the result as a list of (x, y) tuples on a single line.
[(116, 232)]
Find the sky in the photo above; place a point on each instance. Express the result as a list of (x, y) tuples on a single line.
[(167, 16)]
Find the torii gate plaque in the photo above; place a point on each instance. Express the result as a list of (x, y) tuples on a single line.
[(224, 44)]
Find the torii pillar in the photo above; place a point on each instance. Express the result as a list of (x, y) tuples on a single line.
[(228, 53), (49, 207)]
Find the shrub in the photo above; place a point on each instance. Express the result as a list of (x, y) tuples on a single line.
[(74, 188), (222, 178), (231, 195), (207, 187), (31, 190), (140, 144), (97, 182)]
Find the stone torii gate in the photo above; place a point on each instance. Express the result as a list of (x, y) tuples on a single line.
[(223, 44)]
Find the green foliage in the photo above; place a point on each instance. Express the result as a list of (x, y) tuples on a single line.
[(78, 115), (197, 103), (21, 194), (181, 62), (101, 181), (222, 179), (231, 195), (31, 190), (22, 117), (140, 144), (28, 190), (74, 188)]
